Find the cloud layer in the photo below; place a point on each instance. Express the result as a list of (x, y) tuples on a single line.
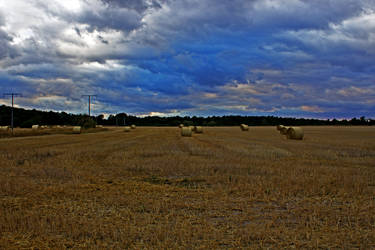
[(175, 57)]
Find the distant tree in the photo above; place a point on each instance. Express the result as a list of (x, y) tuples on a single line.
[(100, 119), (188, 123), (27, 118), (211, 123), (87, 122), (363, 120)]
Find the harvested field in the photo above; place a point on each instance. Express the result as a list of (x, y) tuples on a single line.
[(23, 132), (152, 188)]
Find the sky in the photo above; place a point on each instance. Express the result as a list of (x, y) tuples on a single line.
[(289, 58)]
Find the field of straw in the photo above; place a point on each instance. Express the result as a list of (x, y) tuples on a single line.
[(23, 132), (225, 188)]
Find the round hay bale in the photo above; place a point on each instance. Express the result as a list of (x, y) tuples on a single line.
[(181, 125), (279, 127), (186, 131), (77, 129), (283, 130), (191, 128), (127, 129), (295, 133), (35, 127), (4, 128), (244, 127), (198, 129), (133, 126)]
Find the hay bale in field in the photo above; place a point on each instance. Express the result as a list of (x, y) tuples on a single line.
[(283, 130), (191, 128), (279, 127), (35, 127), (181, 125), (132, 126), (295, 133), (186, 131), (77, 129), (127, 129), (4, 128), (244, 127), (198, 129)]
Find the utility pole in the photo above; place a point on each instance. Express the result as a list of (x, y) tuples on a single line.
[(12, 95), (89, 99)]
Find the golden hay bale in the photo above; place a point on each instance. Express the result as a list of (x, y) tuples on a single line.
[(244, 127), (295, 133), (4, 128), (191, 128), (198, 129), (181, 125), (133, 126), (35, 127), (77, 129), (279, 127), (284, 130), (127, 129), (186, 131)]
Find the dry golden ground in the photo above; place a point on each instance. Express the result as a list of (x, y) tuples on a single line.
[(22, 132), (152, 188)]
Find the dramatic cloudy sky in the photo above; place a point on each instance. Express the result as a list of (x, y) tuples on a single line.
[(304, 58)]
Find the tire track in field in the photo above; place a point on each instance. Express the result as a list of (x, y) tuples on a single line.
[(198, 147), (109, 145), (219, 146), (189, 145), (43, 141), (112, 148), (86, 144), (243, 146)]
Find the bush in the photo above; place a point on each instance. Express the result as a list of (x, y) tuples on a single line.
[(87, 122)]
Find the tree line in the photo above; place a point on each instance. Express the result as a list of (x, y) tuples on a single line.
[(26, 118)]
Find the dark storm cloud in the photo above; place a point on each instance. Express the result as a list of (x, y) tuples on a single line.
[(5, 48), (137, 5), (198, 57), (117, 18)]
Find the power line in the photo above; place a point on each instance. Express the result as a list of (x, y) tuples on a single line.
[(89, 100), (12, 95)]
